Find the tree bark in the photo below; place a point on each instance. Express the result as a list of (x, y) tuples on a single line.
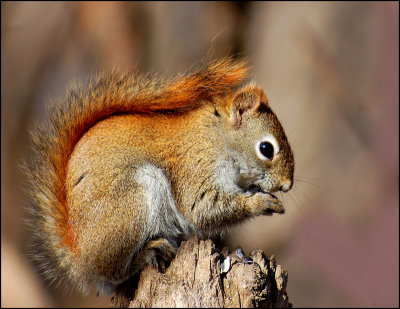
[(202, 276)]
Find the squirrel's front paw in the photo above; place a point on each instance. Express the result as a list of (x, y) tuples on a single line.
[(267, 204), (273, 205)]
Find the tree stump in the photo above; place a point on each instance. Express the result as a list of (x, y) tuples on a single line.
[(202, 276)]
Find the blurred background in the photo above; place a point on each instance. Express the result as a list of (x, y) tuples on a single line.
[(331, 72)]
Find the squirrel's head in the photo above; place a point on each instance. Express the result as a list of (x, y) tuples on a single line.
[(264, 157)]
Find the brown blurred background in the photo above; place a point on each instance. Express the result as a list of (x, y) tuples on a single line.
[(331, 72)]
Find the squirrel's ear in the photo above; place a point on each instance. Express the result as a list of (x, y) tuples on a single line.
[(249, 99)]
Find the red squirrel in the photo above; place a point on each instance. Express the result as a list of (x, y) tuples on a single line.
[(128, 165)]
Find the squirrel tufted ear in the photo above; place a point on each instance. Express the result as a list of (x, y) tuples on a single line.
[(249, 99)]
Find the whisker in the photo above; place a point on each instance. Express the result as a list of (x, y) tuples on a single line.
[(283, 200), (299, 189), (306, 178), (314, 184), (295, 202)]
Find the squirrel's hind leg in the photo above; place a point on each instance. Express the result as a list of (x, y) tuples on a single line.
[(157, 253)]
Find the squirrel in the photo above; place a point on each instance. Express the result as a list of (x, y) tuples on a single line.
[(128, 165)]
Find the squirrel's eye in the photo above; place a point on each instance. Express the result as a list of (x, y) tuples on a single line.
[(267, 150)]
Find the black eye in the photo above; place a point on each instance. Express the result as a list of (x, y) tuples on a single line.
[(267, 150)]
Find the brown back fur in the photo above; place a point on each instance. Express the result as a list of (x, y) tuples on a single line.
[(107, 95)]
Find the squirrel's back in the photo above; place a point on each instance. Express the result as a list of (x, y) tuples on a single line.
[(69, 119)]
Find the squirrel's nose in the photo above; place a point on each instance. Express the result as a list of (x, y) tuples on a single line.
[(286, 185)]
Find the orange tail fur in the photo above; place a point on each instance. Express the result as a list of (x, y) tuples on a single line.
[(105, 96)]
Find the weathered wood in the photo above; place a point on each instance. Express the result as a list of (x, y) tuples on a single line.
[(194, 279)]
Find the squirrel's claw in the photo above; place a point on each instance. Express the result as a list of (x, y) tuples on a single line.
[(274, 205)]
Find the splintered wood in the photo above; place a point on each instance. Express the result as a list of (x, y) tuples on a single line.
[(202, 276)]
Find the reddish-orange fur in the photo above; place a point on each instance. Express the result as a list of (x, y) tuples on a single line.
[(128, 165), (114, 94)]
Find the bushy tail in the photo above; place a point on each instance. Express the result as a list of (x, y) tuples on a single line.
[(107, 95)]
